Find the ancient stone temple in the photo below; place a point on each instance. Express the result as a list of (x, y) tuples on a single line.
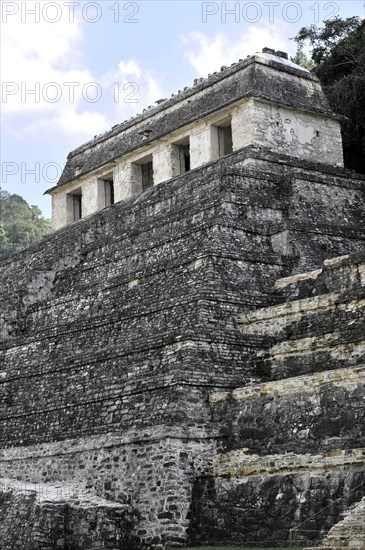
[(182, 360)]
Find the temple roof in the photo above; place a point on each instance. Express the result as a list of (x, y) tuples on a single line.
[(268, 76)]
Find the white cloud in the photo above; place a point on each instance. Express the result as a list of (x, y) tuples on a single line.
[(208, 54), (32, 55), (47, 59), (130, 68), (42, 61), (133, 87), (82, 125)]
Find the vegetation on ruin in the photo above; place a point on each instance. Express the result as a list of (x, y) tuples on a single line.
[(21, 224), (338, 60)]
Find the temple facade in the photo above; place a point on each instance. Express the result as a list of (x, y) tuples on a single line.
[(263, 101)]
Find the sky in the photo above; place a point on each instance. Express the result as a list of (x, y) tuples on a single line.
[(71, 70)]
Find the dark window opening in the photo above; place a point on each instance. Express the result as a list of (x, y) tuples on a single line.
[(76, 207), (108, 192), (225, 140), (147, 175), (183, 151), (184, 158)]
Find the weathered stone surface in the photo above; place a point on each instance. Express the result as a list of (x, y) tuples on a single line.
[(152, 472), (349, 532), (115, 331), (323, 330), (309, 413), (47, 517), (259, 75), (295, 445), (254, 509), (128, 296)]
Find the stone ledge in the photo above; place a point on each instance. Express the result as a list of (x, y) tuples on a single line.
[(286, 281), (312, 344), (99, 442), (348, 378), (307, 284), (241, 464), (271, 321), (70, 493), (338, 261)]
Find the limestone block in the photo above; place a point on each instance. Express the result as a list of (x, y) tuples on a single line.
[(243, 130), (166, 163), (127, 180), (203, 144), (297, 133)]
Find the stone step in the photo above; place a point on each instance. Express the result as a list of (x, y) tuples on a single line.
[(348, 532), (346, 541), (357, 527), (306, 425), (357, 530), (338, 547), (353, 545), (310, 332)]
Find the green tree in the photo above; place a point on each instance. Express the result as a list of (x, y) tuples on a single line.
[(20, 224), (338, 53), (302, 59)]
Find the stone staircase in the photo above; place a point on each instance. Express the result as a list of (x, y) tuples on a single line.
[(294, 440), (321, 326), (347, 533)]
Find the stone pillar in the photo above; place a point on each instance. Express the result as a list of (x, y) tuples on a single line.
[(166, 163), (127, 180), (59, 210), (203, 144), (89, 198), (243, 125)]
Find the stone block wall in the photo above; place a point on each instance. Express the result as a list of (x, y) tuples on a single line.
[(349, 532), (151, 473), (311, 413), (109, 311), (296, 133), (258, 503), (46, 517), (294, 444), (323, 330), (115, 330), (123, 303)]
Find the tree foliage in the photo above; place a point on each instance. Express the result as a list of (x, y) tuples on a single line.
[(20, 224), (302, 59), (338, 54)]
